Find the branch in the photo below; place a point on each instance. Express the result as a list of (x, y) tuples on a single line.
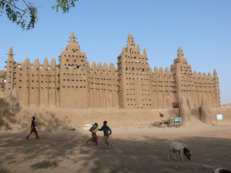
[(13, 5), (26, 4)]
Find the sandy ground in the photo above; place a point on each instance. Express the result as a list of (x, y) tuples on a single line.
[(135, 150)]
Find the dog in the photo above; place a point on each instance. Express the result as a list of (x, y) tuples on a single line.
[(180, 148)]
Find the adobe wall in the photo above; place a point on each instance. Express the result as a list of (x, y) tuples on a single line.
[(208, 86), (103, 86), (73, 83), (164, 90), (225, 111), (2, 83), (37, 84)]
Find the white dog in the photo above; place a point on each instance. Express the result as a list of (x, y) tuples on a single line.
[(180, 148)]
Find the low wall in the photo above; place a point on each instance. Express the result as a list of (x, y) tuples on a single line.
[(60, 119), (225, 111), (66, 119)]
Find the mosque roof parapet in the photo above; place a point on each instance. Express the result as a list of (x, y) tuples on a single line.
[(138, 47), (100, 67), (167, 70), (145, 52), (112, 68), (149, 69), (36, 63), (195, 73), (215, 73), (105, 67), (53, 63), (156, 69), (27, 61), (94, 67), (45, 63)]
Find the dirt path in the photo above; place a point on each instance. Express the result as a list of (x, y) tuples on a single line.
[(135, 150)]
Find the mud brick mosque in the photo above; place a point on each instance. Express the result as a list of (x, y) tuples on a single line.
[(73, 83)]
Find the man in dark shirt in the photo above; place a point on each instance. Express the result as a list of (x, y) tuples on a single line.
[(33, 129), (106, 131)]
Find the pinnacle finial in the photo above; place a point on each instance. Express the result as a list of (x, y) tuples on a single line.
[(130, 40), (73, 45), (10, 54), (72, 38), (145, 52), (53, 62), (180, 53), (215, 72), (36, 61), (10, 51)]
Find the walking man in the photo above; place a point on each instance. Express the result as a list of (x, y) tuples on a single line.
[(33, 129)]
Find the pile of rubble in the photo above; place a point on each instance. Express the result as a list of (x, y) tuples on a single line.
[(166, 122)]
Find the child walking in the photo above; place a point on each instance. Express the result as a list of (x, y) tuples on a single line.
[(93, 131), (106, 132)]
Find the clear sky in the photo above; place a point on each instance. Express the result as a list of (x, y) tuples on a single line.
[(201, 27)]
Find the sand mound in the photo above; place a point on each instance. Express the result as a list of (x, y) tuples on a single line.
[(45, 120), (8, 110), (194, 122), (205, 112), (185, 112)]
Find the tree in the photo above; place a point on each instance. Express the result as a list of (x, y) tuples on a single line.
[(26, 16)]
